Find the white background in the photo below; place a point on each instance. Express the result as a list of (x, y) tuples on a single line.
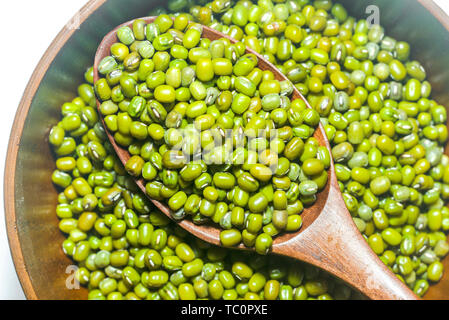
[(28, 28)]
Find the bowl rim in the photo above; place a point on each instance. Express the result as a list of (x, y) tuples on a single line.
[(22, 112)]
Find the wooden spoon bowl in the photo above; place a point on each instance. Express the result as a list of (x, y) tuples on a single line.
[(328, 237), (208, 232)]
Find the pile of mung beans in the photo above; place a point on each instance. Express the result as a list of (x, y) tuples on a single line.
[(236, 158), (387, 137)]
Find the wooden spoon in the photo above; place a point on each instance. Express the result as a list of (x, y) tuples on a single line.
[(328, 238)]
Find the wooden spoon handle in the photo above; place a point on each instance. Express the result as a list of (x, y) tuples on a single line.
[(334, 244)]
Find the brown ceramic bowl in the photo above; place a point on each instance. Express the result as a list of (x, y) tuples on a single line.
[(30, 197)]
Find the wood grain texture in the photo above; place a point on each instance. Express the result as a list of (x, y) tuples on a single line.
[(39, 261), (328, 238)]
